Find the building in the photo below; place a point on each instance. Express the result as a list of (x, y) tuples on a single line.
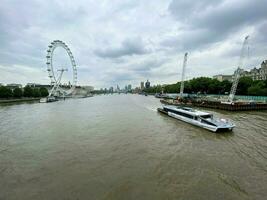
[(129, 87), (221, 77), (87, 88), (12, 86), (142, 85), (36, 85), (147, 84), (256, 74)]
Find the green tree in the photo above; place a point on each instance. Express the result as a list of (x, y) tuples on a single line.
[(5, 92), (36, 92), (17, 92), (200, 84), (43, 92), (258, 89), (28, 91), (243, 85), (214, 87), (225, 87)]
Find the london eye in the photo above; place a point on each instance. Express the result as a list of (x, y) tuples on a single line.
[(57, 90)]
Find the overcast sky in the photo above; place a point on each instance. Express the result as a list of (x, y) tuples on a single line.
[(128, 41)]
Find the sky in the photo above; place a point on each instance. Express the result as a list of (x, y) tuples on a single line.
[(129, 41)]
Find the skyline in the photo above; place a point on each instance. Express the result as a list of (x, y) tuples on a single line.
[(130, 41)]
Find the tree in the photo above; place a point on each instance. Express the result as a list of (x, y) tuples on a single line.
[(225, 86), (28, 92), (214, 87), (5, 92), (17, 92), (258, 89), (243, 85), (36, 92), (43, 92)]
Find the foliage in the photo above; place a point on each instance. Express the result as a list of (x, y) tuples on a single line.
[(259, 89), (36, 92), (243, 85), (43, 92), (28, 92), (205, 85), (5, 92), (17, 92)]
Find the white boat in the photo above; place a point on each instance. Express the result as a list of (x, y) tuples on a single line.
[(198, 118), (48, 99)]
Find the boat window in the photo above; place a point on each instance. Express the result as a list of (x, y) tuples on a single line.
[(180, 113), (207, 122), (206, 116), (188, 109)]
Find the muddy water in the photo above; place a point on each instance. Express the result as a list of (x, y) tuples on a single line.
[(119, 147)]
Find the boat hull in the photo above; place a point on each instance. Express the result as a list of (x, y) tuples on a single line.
[(47, 100)]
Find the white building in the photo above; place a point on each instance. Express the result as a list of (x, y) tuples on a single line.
[(257, 74)]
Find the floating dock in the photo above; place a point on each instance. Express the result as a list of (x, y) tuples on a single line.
[(237, 106)]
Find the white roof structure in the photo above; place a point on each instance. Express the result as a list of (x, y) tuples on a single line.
[(189, 111)]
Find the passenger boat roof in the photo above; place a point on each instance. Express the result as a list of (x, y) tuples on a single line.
[(188, 110)]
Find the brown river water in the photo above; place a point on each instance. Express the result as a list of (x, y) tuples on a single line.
[(114, 147)]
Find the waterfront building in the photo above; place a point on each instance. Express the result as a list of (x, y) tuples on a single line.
[(147, 84), (37, 85), (142, 85), (33, 85), (221, 77), (12, 86), (87, 88), (256, 74)]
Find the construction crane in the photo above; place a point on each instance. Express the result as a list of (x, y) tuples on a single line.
[(183, 74), (238, 71)]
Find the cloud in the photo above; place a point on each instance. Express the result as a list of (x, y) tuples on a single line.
[(207, 22), (129, 47), (126, 41)]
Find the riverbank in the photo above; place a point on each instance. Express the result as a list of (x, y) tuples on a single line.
[(4, 101)]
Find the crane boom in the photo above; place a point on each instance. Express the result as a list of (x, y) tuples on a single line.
[(183, 74), (238, 71)]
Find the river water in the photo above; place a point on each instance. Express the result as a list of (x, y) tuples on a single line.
[(119, 147)]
